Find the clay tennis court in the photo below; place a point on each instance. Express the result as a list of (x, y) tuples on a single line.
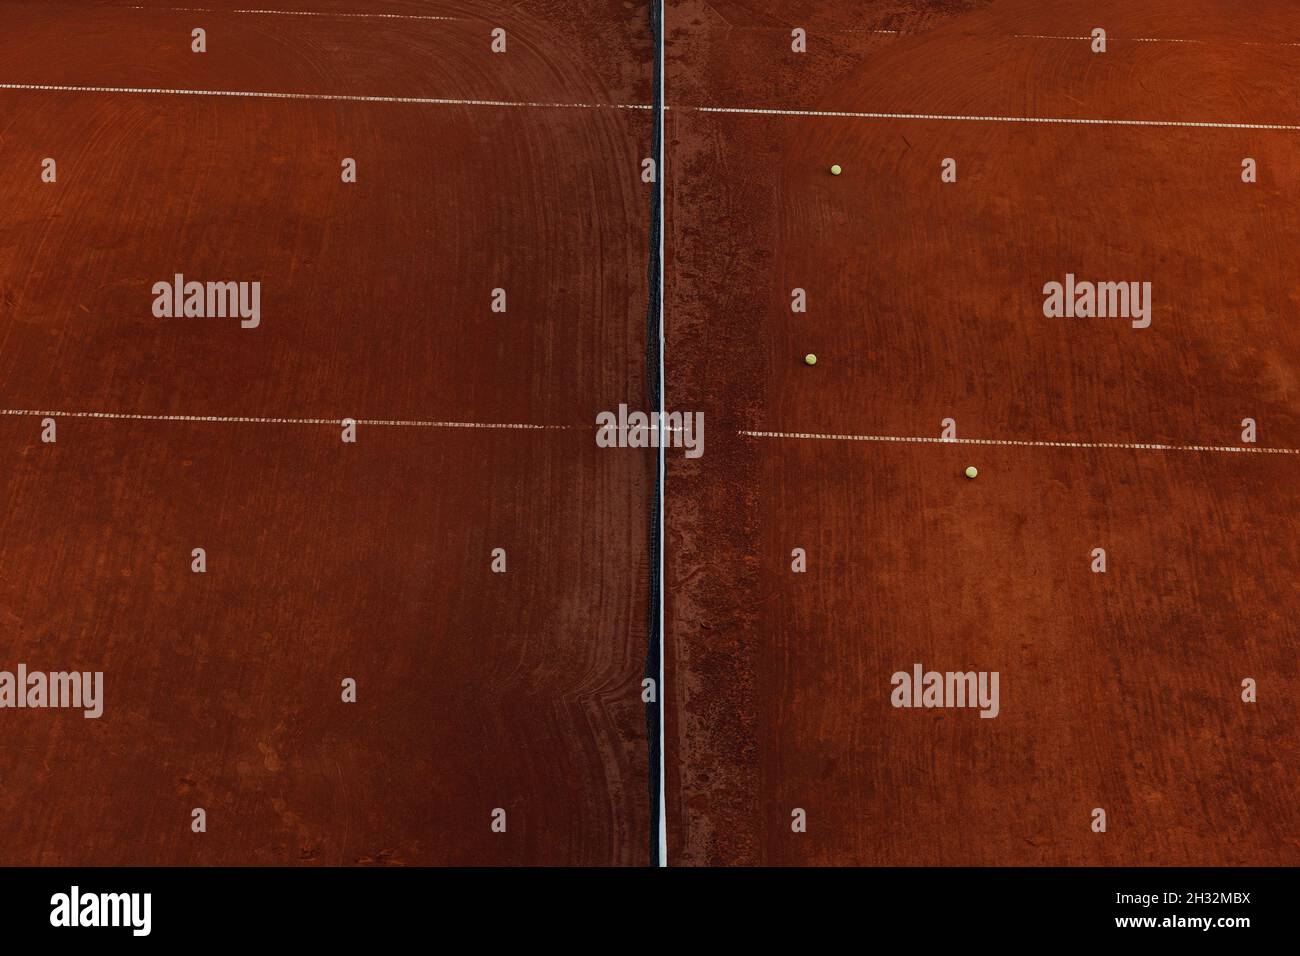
[(521, 691), (1119, 690), (372, 560)]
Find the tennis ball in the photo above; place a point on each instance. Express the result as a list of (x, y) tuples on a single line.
[(971, 471), (810, 359), (835, 170)]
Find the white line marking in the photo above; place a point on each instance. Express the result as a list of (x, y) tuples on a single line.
[(1045, 36), (896, 33), (527, 426), (759, 111), (1109, 39), (994, 119), (1024, 443), (252, 420), (297, 13), (254, 94), (1025, 36)]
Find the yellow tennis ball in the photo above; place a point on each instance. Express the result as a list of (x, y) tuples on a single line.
[(810, 359), (971, 471), (835, 170)]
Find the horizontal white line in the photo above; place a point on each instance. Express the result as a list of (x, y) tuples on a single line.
[(434, 101), (1109, 39), (298, 13), (1024, 443), (419, 100), (251, 420), (995, 119), (1026, 36), (526, 426), (821, 32)]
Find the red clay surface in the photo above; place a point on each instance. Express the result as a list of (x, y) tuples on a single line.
[(1118, 690), (372, 561), (522, 690)]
